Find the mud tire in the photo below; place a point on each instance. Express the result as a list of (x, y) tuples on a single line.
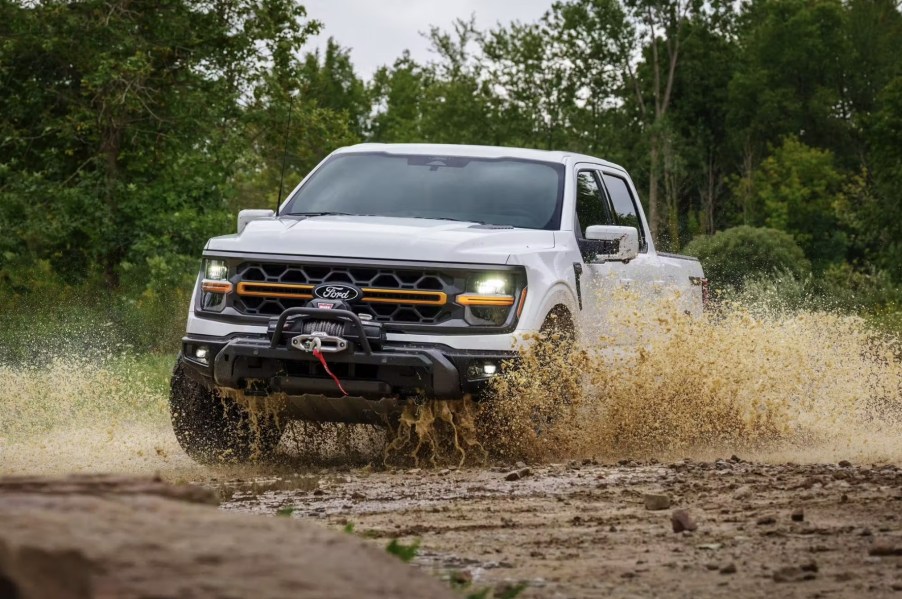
[(213, 429), (558, 325)]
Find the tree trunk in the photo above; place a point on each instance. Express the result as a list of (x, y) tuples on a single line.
[(653, 216)]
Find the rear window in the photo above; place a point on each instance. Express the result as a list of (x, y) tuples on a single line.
[(506, 191)]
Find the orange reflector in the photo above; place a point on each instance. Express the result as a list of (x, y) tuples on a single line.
[(472, 299), (522, 301), (216, 286)]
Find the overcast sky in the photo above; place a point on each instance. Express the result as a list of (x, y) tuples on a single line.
[(377, 31)]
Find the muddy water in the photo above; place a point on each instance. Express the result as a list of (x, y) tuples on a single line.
[(806, 388)]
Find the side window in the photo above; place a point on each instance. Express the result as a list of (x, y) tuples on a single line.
[(591, 205), (625, 211)]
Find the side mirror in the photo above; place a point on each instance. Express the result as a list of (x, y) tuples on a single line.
[(246, 216), (618, 244)]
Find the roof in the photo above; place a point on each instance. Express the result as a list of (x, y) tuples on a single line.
[(476, 151)]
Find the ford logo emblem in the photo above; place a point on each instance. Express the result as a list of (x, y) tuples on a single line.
[(336, 291)]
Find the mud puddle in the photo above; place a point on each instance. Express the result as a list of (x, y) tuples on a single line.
[(583, 529)]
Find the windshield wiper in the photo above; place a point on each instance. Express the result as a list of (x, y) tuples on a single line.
[(322, 214), (456, 220)]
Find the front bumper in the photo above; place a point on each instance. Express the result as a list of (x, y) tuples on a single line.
[(261, 365)]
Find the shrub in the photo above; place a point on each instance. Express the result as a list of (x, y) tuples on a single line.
[(730, 257)]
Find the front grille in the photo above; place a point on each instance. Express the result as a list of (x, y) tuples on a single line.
[(389, 294)]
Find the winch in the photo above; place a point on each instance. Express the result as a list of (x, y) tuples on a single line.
[(327, 325)]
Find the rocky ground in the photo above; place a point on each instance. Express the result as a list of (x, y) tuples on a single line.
[(583, 529), (98, 536)]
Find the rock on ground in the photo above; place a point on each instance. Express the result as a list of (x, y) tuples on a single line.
[(85, 537)]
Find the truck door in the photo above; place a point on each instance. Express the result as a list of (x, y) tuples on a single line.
[(612, 291)]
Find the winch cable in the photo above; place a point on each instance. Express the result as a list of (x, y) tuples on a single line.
[(330, 327), (322, 360)]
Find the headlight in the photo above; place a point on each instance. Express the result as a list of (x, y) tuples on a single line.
[(492, 286), (489, 299), (215, 285), (216, 270)]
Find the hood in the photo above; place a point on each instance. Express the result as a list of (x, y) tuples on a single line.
[(383, 238)]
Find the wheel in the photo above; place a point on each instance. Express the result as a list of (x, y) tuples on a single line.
[(559, 327), (555, 350), (213, 429)]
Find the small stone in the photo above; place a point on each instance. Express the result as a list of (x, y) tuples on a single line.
[(612, 528), (845, 464), (518, 474), (809, 566), (728, 569), (319, 492), (655, 502), (798, 515), (766, 521), (896, 586), (793, 574), (712, 566), (885, 548), (742, 492), (735, 458), (682, 521), (460, 578)]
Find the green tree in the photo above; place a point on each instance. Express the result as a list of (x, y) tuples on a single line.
[(124, 121), (798, 190)]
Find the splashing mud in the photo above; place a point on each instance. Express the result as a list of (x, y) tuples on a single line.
[(87, 414), (800, 386), (810, 385), (438, 431)]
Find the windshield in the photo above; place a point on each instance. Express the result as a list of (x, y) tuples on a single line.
[(506, 191)]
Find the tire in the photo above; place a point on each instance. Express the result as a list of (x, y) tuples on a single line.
[(213, 429), (558, 328), (559, 324)]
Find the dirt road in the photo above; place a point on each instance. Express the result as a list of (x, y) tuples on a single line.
[(584, 529)]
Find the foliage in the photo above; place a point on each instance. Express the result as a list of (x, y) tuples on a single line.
[(731, 256), (798, 189), (403, 552), (132, 132)]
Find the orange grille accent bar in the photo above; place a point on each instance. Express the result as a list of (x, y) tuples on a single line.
[(473, 299), (215, 286), (403, 296), (294, 291)]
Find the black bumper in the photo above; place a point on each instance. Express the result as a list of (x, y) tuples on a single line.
[(403, 371)]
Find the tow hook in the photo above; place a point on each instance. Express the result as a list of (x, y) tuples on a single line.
[(317, 340)]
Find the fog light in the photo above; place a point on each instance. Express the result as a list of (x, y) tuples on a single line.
[(479, 370), (201, 353)]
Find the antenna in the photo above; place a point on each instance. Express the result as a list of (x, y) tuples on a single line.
[(285, 153)]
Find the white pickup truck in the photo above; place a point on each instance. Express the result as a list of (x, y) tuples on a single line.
[(402, 272)]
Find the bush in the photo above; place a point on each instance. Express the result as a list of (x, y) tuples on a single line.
[(730, 257)]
